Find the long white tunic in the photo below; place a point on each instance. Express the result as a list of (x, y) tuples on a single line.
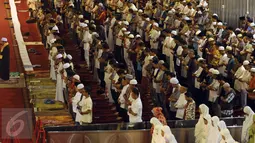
[(86, 104), (136, 107), (59, 87)]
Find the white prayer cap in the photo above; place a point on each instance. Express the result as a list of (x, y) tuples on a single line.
[(66, 65), (138, 36), (69, 57), (133, 82), (211, 70), (86, 21), (95, 34), (59, 56), (71, 4), (155, 24), (226, 85), (238, 29), (200, 59), (239, 35), (80, 16), (92, 21), (161, 62), (246, 62), (199, 12), (124, 29), (215, 14), (55, 28), (147, 19), (252, 24), (221, 48), (131, 36), (253, 36), (100, 4), (129, 76), (253, 70), (80, 86), (173, 10), (83, 25), (210, 39), (215, 72), (53, 41), (125, 22), (174, 32), (4, 39), (198, 32), (229, 48), (220, 24), (119, 22), (140, 11), (186, 18), (77, 77), (127, 32), (214, 23), (174, 80)]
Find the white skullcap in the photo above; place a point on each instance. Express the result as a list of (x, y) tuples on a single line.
[(125, 22), (198, 32), (211, 70), (55, 28), (214, 23), (253, 36), (86, 21), (133, 82), (127, 32), (200, 59), (155, 24), (199, 12), (220, 24), (69, 57), (129, 76), (72, 5), (215, 14), (170, 12), (226, 85), (252, 24), (92, 21), (119, 22), (4, 39), (174, 80), (161, 62), (131, 36), (252, 69), (221, 48), (246, 62), (124, 29), (239, 35), (80, 16), (66, 65), (147, 19), (77, 77), (80, 86), (53, 41), (216, 72), (173, 10), (210, 39), (100, 4), (140, 11), (59, 56), (174, 32), (229, 48), (186, 18), (138, 36), (83, 25), (238, 29)]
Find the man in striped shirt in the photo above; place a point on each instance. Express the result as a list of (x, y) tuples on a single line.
[(226, 101)]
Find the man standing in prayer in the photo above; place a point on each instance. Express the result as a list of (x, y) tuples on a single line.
[(227, 101), (136, 108), (4, 60)]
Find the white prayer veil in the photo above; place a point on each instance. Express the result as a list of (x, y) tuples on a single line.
[(222, 125), (227, 136), (214, 134), (247, 123), (204, 110), (168, 136)]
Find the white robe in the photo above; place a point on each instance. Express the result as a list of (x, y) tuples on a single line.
[(87, 39), (199, 128), (59, 87), (214, 134), (247, 124), (110, 34)]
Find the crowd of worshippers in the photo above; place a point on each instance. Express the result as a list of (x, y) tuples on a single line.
[(180, 54), (207, 130)]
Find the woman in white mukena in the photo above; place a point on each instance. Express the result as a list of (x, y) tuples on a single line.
[(247, 123)]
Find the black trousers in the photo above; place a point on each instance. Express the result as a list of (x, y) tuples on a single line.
[(101, 77), (124, 115)]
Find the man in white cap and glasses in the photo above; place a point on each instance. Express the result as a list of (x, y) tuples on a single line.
[(242, 77), (174, 97), (4, 60), (227, 101), (59, 85)]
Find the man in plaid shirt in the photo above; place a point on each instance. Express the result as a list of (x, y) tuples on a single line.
[(226, 101)]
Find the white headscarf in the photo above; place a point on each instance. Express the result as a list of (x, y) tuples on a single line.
[(168, 136), (247, 123), (156, 123), (214, 134), (222, 125), (227, 136), (157, 134), (204, 110)]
